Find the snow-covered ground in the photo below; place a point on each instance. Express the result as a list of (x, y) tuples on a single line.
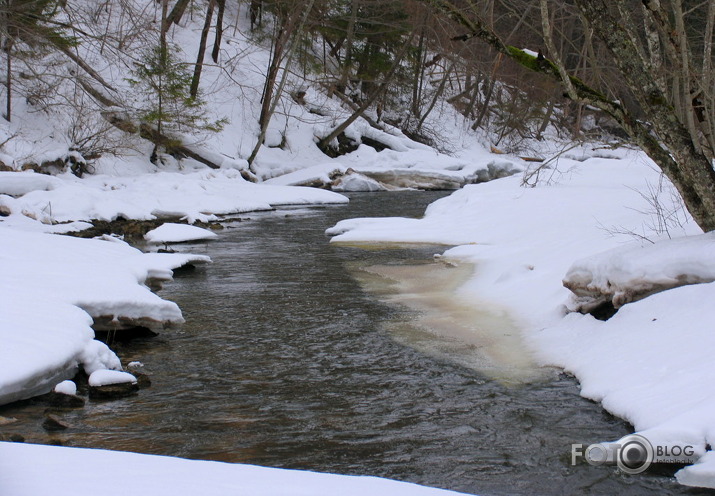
[(29, 470), (192, 196), (591, 222)]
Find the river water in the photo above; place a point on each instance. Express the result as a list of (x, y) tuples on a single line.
[(294, 356)]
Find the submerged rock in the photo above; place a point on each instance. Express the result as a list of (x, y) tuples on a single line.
[(112, 391), (63, 400), (143, 380), (53, 423), (12, 438), (7, 420)]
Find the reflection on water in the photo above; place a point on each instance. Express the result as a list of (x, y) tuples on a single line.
[(284, 361)]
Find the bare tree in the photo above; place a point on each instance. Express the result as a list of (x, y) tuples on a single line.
[(671, 127), (325, 142), (289, 25), (202, 49)]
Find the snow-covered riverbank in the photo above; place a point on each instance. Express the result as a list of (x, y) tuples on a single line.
[(54, 287), (649, 363), (29, 470)]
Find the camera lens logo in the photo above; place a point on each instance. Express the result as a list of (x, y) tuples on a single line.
[(635, 454)]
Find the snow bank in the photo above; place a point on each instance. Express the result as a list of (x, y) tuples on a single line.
[(700, 474), (39, 348), (20, 183), (651, 362), (177, 233), (51, 288), (199, 195), (629, 273), (20, 465), (523, 240)]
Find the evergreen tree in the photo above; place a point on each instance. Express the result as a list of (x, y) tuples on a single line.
[(168, 108)]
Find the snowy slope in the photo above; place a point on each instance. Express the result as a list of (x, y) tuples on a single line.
[(66, 122)]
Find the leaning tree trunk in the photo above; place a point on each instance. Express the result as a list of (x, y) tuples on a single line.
[(324, 143), (176, 13), (690, 170), (219, 30), (288, 40)]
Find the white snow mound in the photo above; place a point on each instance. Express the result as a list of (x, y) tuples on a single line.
[(631, 272), (177, 233), (66, 387), (107, 377)]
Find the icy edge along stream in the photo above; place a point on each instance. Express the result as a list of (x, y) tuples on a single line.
[(53, 286)]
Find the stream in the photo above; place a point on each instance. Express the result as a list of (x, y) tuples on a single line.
[(300, 354)]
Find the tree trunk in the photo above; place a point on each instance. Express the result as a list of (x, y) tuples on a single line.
[(288, 37), (437, 94), (272, 74), (194, 89), (8, 83), (418, 74), (690, 170), (164, 58), (176, 13), (255, 13), (349, 36), (219, 30)]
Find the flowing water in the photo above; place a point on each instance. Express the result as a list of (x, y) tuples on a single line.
[(301, 354)]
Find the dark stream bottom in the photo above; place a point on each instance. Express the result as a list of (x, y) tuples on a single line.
[(284, 362)]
